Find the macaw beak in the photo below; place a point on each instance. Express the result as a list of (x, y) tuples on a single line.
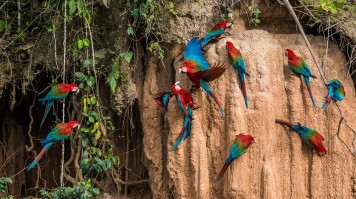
[(77, 91), (177, 83), (180, 70)]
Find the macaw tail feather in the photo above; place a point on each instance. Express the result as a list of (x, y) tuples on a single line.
[(178, 140), (307, 82), (283, 122), (185, 132), (243, 88), (43, 100), (328, 98), (204, 42), (165, 114), (223, 170), (211, 94), (188, 123), (48, 108), (40, 155)]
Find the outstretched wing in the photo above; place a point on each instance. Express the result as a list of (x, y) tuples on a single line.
[(213, 73), (193, 56), (162, 98)]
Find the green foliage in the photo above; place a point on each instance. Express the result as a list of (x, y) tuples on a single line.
[(3, 184), (156, 49), (254, 15), (116, 72), (77, 7), (84, 190), (4, 26), (83, 42), (85, 80), (229, 16), (332, 6), (171, 8), (149, 14), (254, 19)]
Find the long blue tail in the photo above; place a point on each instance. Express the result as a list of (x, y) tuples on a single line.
[(185, 132), (307, 82), (48, 108), (328, 98), (243, 88), (211, 94), (40, 155)]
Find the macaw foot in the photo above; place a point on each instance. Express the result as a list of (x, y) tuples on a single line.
[(192, 89), (293, 74), (196, 107), (60, 100), (205, 48)]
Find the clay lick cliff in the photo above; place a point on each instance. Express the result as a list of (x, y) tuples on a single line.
[(279, 164)]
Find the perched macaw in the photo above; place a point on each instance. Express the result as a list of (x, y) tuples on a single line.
[(162, 98), (57, 92), (198, 70), (299, 67), (216, 32), (239, 147), (310, 136), (60, 132), (237, 61), (336, 92), (186, 104)]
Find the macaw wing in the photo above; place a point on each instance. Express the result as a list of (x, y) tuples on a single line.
[(306, 70), (235, 151), (193, 56), (213, 73), (241, 64), (54, 136), (162, 98), (216, 31)]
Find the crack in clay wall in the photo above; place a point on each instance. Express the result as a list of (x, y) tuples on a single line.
[(278, 165)]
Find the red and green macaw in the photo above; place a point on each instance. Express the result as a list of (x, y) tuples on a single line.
[(60, 132), (299, 67), (57, 92), (186, 104), (162, 98), (216, 32), (198, 70), (336, 92), (237, 61), (239, 147), (310, 136)]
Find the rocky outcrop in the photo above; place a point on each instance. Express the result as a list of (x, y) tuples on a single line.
[(278, 165)]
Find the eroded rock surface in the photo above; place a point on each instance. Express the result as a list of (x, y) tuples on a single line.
[(278, 165)]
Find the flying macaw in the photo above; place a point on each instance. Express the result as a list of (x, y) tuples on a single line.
[(237, 61), (216, 32), (239, 147), (186, 104), (57, 92), (162, 98), (336, 92), (198, 70), (299, 67), (310, 136), (60, 132)]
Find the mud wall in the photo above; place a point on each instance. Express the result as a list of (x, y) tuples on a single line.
[(278, 165)]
